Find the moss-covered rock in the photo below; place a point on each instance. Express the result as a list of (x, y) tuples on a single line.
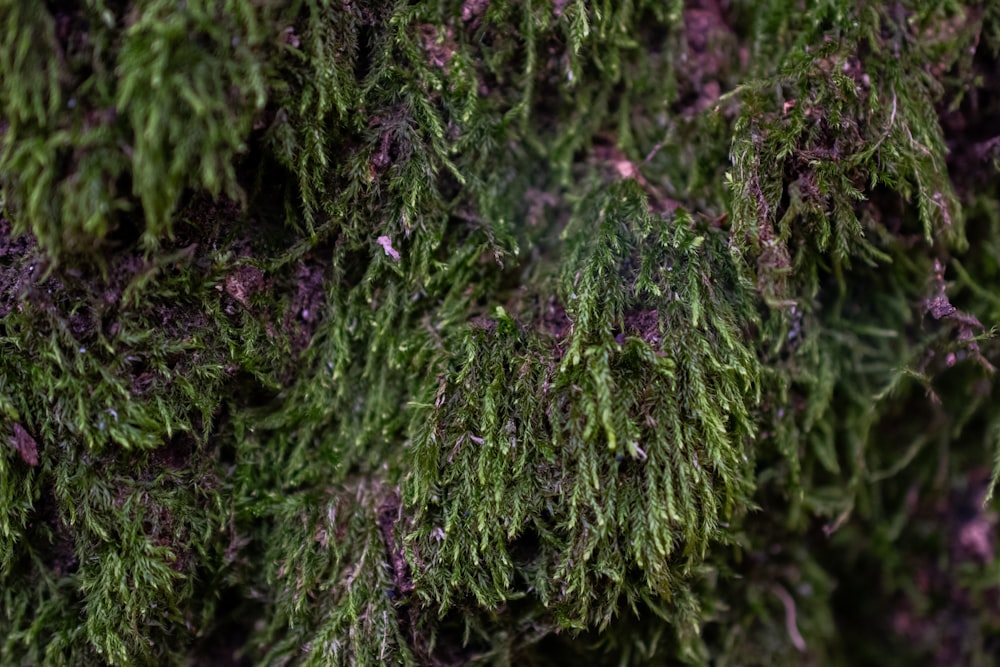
[(493, 332)]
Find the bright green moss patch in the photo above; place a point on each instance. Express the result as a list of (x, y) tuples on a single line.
[(490, 332), (615, 446)]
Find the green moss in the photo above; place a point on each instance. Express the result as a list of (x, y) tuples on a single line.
[(449, 332), (615, 449)]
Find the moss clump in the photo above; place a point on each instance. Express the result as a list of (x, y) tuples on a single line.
[(577, 459), (498, 332)]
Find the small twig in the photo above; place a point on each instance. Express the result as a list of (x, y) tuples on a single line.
[(656, 149), (888, 129), (790, 617), (838, 522)]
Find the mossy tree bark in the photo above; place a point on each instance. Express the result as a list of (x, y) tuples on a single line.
[(435, 332)]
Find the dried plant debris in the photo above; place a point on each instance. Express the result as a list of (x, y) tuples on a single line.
[(24, 444)]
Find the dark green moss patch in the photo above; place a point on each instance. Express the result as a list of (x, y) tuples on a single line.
[(448, 333)]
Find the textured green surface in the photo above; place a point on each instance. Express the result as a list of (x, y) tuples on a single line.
[(505, 333)]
